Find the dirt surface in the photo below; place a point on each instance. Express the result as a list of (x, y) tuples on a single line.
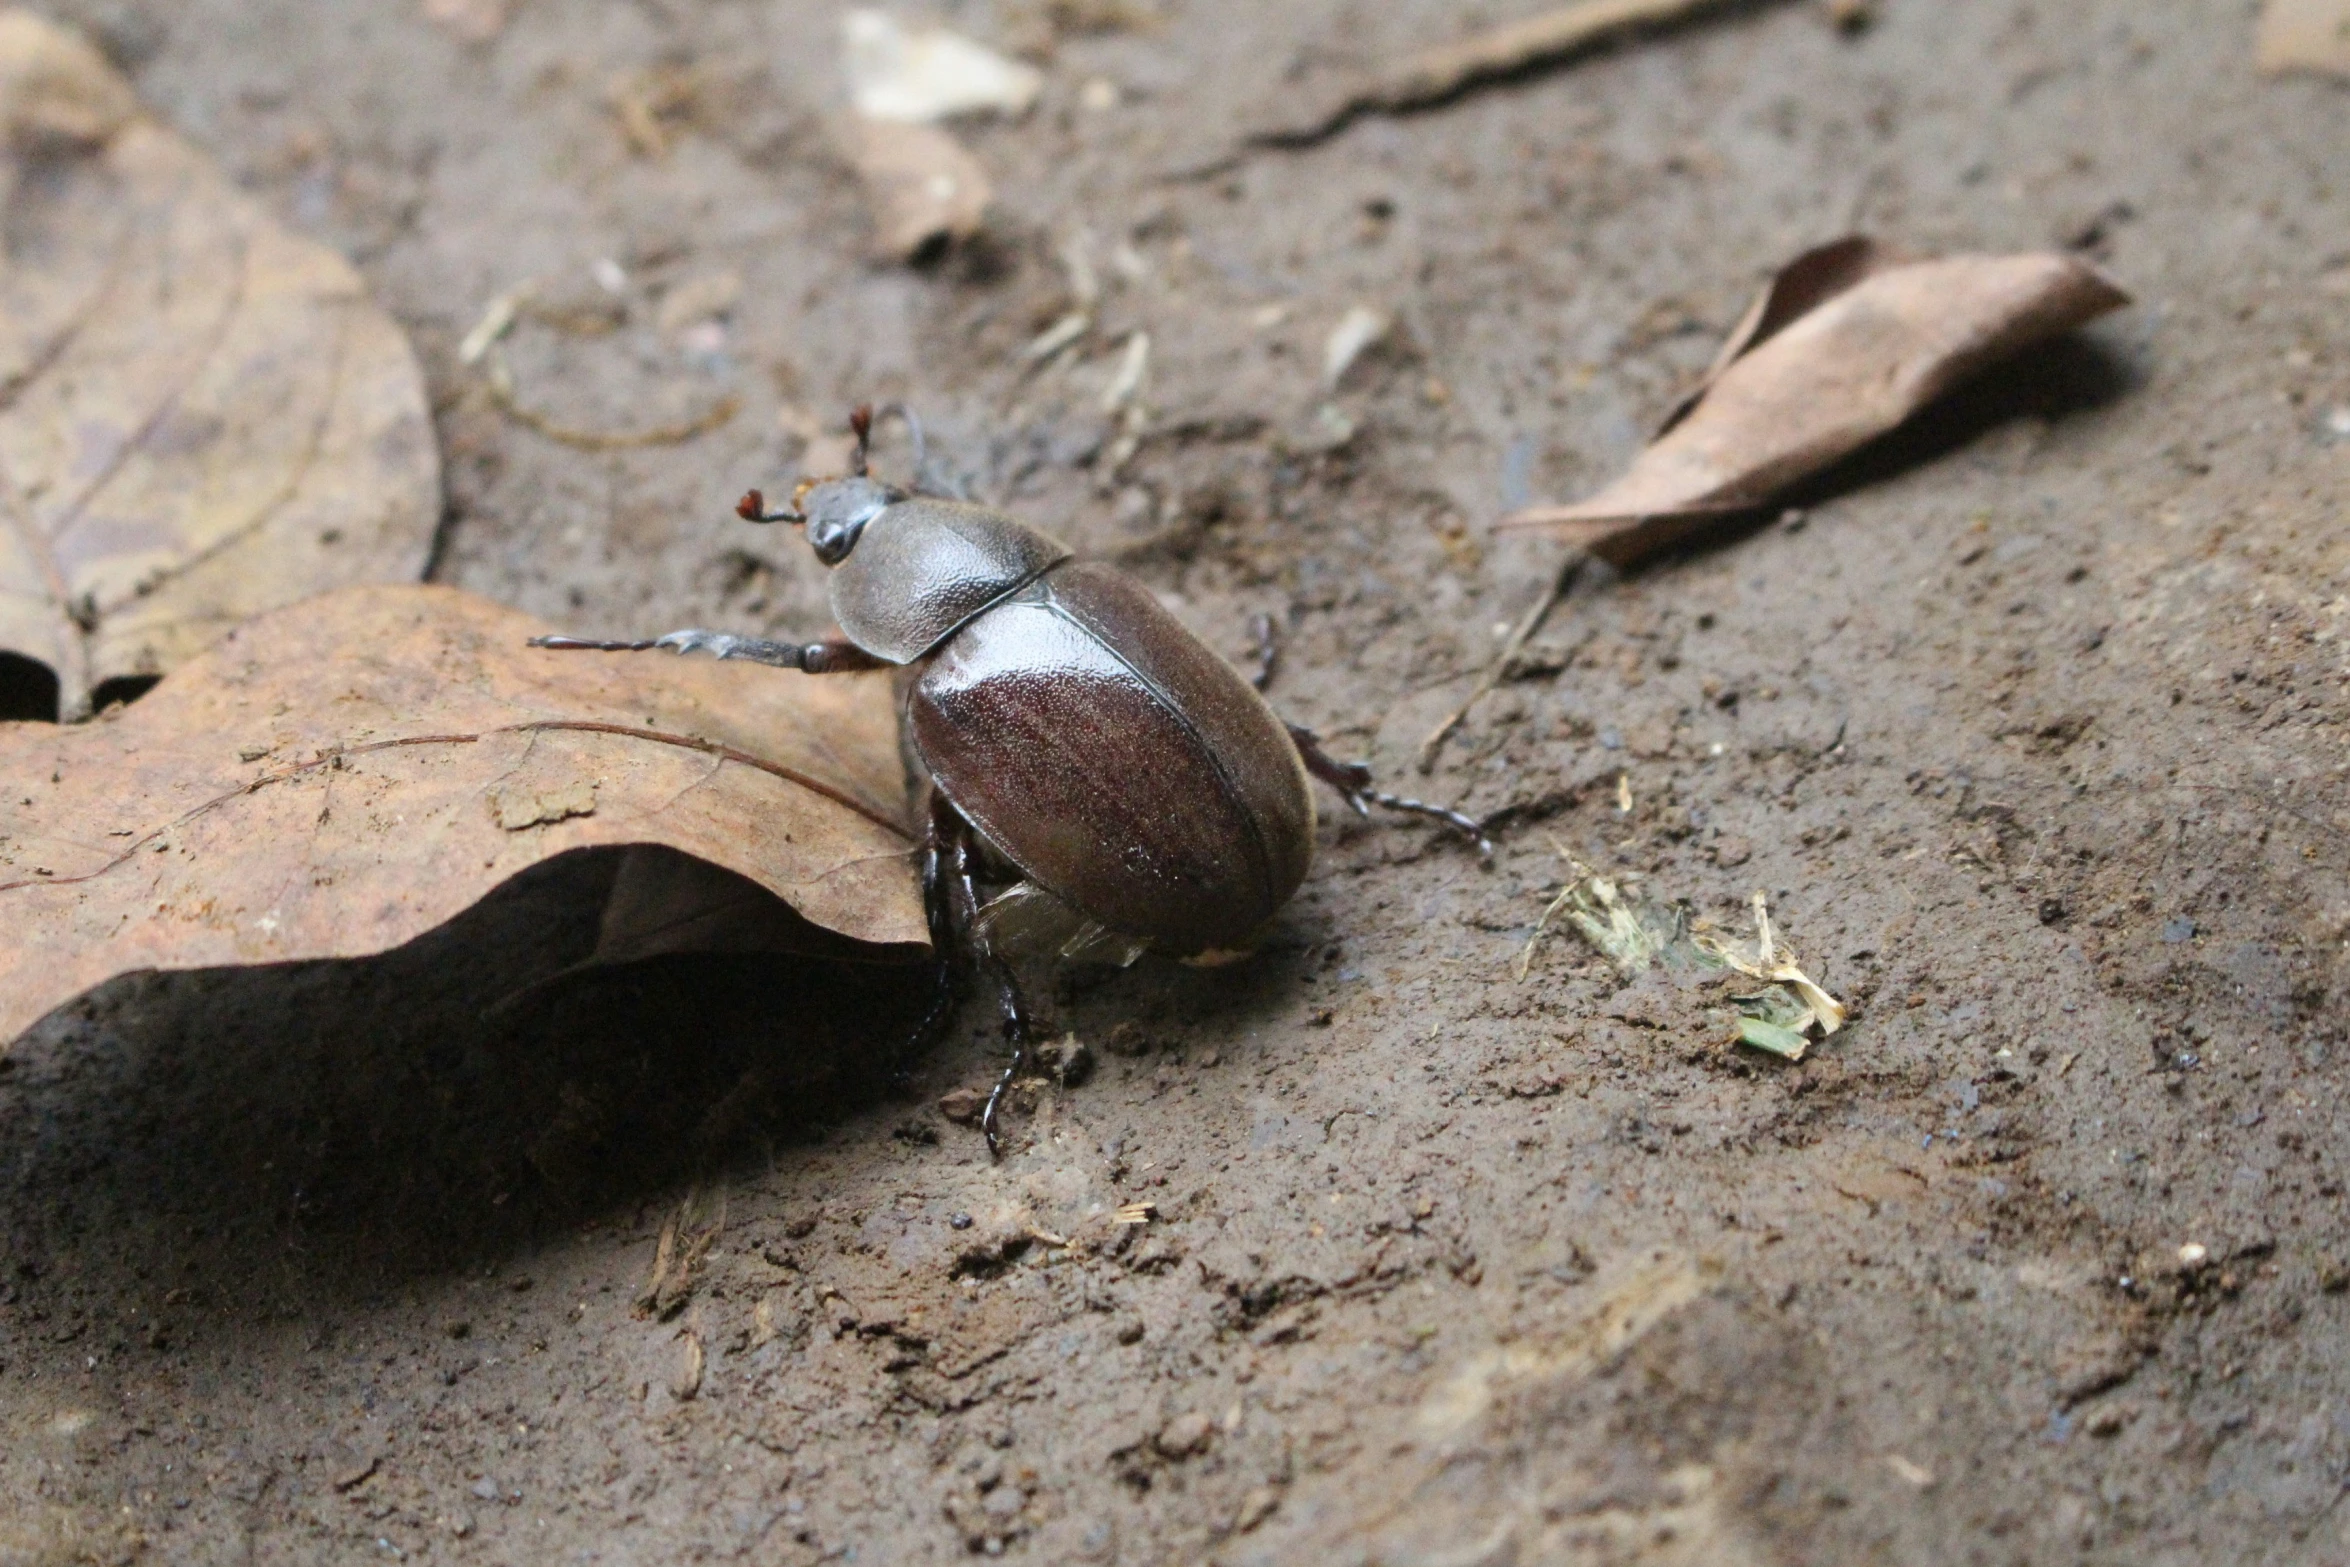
[(2031, 727)]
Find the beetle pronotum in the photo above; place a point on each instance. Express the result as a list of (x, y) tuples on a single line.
[(1065, 719)]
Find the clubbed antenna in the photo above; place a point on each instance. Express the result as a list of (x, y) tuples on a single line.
[(753, 508), (861, 426)]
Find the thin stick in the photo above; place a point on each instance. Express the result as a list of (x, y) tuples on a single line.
[(500, 381), (1435, 76), (1519, 636)]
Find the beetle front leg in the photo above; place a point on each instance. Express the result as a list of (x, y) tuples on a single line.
[(836, 657), (1353, 781)]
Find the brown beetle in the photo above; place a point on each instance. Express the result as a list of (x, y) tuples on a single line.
[(1066, 720)]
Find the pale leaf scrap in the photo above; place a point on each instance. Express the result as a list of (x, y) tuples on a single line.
[(2305, 35), (204, 416), (922, 188), (473, 21), (342, 775), (1851, 342)]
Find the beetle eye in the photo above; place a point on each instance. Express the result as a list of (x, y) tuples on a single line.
[(833, 537)]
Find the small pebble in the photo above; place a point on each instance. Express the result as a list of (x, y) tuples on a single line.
[(1184, 1436)]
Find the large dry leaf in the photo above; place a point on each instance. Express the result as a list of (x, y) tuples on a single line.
[(345, 773), (201, 415), (1877, 343), (2305, 35)]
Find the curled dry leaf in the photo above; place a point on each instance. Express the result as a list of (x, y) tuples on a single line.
[(201, 415), (2305, 35), (1847, 344), (922, 187), (341, 775)]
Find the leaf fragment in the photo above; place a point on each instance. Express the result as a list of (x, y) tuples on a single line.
[(339, 776), (922, 188), (1636, 934), (472, 21), (2305, 35), (1848, 343), (202, 416)]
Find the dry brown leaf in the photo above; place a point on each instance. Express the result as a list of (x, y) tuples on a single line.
[(1436, 75), (201, 416), (346, 773), (1795, 291), (922, 188), (1866, 356), (2305, 35)]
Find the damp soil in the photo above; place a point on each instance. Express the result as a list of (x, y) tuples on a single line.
[(2031, 725)]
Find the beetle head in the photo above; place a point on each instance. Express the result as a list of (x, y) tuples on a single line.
[(837, 511)]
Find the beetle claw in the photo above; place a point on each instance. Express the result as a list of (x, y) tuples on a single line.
[(1459, 820), (719, 644)]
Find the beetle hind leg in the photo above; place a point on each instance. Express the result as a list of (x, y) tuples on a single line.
[(1352, 780)]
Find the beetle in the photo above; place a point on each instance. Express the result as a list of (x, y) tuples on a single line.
[(1066, 721)]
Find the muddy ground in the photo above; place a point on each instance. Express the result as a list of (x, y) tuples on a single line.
[(2031, 726)]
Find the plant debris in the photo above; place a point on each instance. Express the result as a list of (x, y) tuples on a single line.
[(206, 417), (1636, 934), (916, 76), (344, 774), (1438, 75), (699, 300), (1845, 344), (1778, 1018), (2305, 35), (1562, 583)]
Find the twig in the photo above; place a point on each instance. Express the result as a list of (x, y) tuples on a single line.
[(1436, 76), (1519, 636), (500, 380)]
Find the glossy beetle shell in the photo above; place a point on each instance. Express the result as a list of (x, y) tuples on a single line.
[(1118, 762), (923, 566)]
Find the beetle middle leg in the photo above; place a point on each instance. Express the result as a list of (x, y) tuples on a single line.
[(1353, 781), (952, 890), (837, 657)]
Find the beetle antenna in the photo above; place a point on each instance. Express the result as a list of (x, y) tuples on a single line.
[(861, 426), (753, 508), (913, 424)]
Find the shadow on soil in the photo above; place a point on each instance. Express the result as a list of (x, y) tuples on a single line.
[(335, 1128), (314, 1132)]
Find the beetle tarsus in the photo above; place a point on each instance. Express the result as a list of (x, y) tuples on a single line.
[(1464, 822), (1352, 780), (1261, 627), (583, 645)]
